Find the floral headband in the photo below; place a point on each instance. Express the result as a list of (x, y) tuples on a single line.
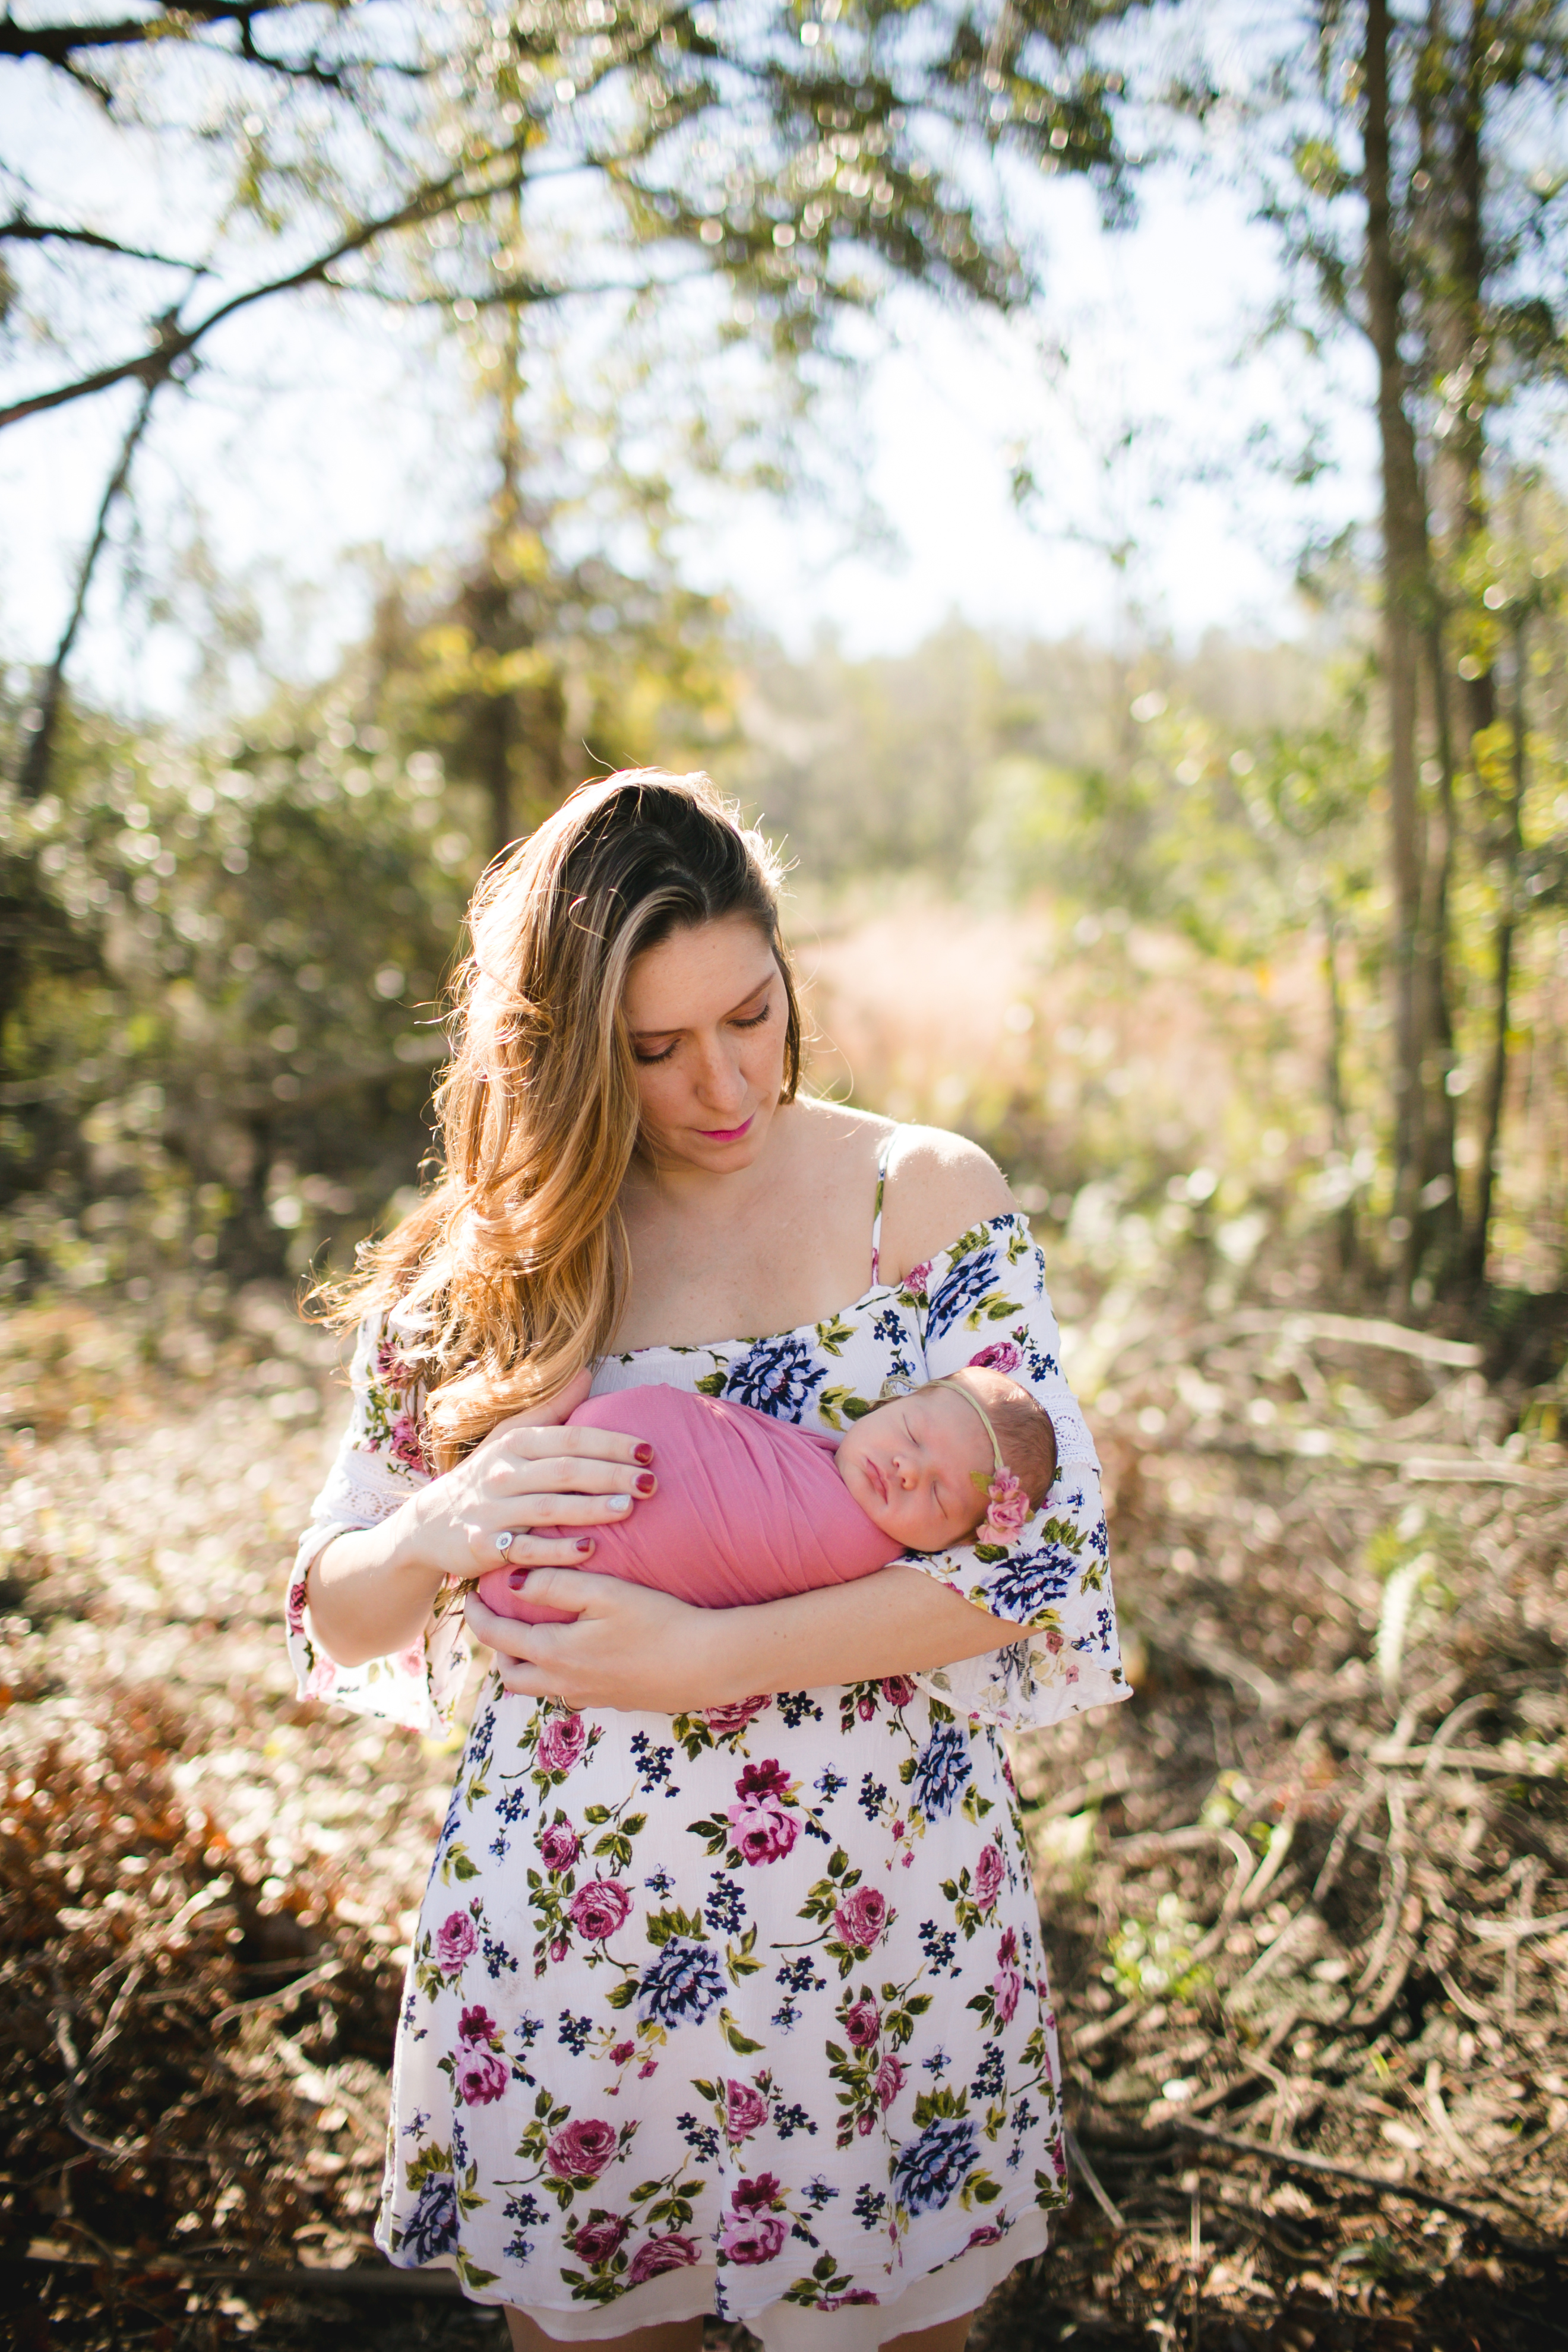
[(1009, 1505)]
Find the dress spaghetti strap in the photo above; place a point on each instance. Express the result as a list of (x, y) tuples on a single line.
[(884, 1154)]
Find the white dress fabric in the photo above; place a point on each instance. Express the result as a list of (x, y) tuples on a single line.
[(744, 2011)]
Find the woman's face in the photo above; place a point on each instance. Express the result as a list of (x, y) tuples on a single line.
[(707, 1012)]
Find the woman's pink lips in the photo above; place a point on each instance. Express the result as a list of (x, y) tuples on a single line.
[(724, 1134)]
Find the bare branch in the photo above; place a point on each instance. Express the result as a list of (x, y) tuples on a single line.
[(20, 230), (176, 343), (59, 43)]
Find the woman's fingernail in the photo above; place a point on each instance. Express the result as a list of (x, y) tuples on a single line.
[(619, 1502), (585, 1543), (645, 1453), (645, 1484), (517, 1578)]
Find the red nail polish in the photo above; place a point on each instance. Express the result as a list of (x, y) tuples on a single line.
[(517, 1578), (585, 1543), (645, 1453), (645, 1484)]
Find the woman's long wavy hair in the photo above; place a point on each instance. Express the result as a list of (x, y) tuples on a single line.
[(511, 1271)]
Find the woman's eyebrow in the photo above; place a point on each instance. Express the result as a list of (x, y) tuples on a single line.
[(750, 999)]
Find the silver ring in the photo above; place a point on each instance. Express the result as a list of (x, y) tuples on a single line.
[(505, 1541)]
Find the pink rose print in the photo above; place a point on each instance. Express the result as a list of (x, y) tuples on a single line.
[(862, 1918), (889, 2080), (600, 2237), (1001, 1356), (862, 2025), (457, 1940), (559, 1947), (723, 1721), (656, 2255), (580, 2149), (917, 1276), (1007, 1984), (763, 1832), (989, 1872), (897, 1690), (479, 2076), (597, 1909), (761, 1828), (753, 2232), (295, 1606), (407, 1447), (745, 2110), (988, 2234), (864, 2124), (622, 2052), (476, 2025), (561, 1742), (754, 2237), (559, 1847), (321, 1678)]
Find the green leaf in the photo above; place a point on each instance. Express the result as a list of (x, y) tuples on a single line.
[(622, 1995)]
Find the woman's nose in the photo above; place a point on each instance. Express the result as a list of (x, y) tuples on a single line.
[(720, 1081)]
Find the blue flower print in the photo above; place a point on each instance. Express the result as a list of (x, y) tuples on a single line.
[(1021, 1587), (940, 1771), (960, 1289), (683, 1984), (433, 2225), (777, 1376), (932, 2169)]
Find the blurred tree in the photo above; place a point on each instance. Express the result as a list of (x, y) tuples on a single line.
[(415, 157), (1412, 216)]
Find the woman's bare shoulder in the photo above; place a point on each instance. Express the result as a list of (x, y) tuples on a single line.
[(939, 1184)]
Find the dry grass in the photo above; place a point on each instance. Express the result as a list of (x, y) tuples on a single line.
[(1308, 1893)]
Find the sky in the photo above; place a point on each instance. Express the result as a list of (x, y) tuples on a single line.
[(315, 433)]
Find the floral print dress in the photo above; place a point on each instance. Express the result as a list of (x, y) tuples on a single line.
[(744, 2010)]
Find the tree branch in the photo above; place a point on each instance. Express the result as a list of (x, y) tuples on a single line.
[(33, 779), (176, 343), (20, 230), (58, 44)]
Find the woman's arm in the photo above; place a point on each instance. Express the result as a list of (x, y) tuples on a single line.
[(634, 1648), (371, 1591)]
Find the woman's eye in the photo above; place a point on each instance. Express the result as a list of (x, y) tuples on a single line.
[(754, 1020), (647, 1059)]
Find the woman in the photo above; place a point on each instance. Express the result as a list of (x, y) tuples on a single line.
[(726, 1991)]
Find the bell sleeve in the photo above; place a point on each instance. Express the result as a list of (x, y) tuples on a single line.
[(984, 1301), (379, 1464)]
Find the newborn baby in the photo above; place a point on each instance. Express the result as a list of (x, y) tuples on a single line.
[(749, 1508)]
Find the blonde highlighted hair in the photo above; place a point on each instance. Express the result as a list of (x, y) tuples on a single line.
[(511, 1271)]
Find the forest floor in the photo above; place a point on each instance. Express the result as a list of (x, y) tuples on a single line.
[(1306, 1898)]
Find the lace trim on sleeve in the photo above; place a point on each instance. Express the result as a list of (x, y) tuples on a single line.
[(984, 1301)]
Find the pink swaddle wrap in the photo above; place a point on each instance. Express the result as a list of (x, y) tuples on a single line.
[(748, 1508)]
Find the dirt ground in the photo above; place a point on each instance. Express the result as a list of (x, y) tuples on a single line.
[(1307, 1898)]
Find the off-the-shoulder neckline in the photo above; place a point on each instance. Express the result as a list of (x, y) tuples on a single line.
[(798, 1330)]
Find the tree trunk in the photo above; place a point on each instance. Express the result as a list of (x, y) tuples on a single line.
[(1405, 585), (1334, 1077), (1508, 893), (43, 719)]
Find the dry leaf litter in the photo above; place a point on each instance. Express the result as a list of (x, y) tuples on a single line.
[(1307, 1899)]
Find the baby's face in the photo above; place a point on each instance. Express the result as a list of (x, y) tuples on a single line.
[(910, 1466)]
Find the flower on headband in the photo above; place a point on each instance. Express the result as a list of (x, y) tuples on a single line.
[(1010, 1506)]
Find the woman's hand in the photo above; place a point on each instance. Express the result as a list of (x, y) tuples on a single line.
[(524, 1476), (628, 1647), (634, 1649), (370, 1592)]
